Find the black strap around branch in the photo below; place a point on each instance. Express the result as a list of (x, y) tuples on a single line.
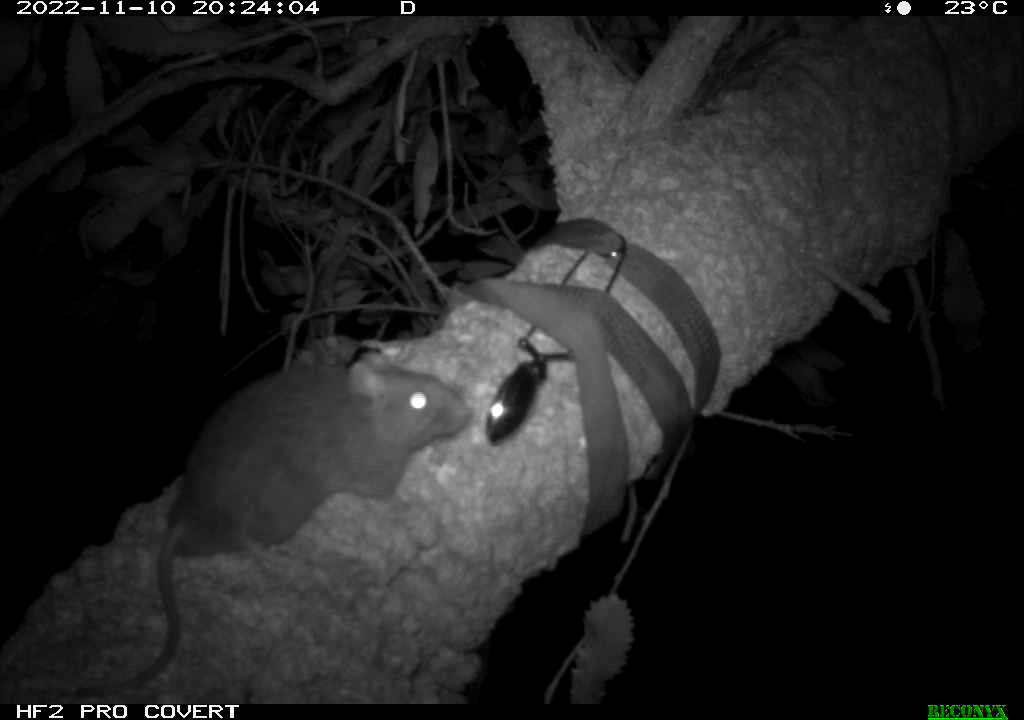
[(591, 324)]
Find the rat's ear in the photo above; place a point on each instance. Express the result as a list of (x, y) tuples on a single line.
[(364, 377)]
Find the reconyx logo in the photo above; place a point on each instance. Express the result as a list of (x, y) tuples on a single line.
[(966, 711)]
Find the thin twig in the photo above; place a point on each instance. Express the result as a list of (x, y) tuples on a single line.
[(879, 311), (663, 493), (792, 430), (924, 315)]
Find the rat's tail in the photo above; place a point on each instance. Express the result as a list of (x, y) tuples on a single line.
[(165, 581)]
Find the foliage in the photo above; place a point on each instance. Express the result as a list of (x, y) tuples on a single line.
[(352, 167)]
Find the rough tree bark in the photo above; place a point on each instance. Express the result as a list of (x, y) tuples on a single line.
[(831, 161)]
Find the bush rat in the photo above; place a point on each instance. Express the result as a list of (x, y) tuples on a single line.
[(270, 455)]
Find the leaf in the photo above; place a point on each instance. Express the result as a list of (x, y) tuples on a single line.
[(480, 269), (128, 181), (962, 303), (196, 207), (173, 227), (805, 365), (424, 177), (345, 298), (445, 267), (131, 194), (147, 36), (83, 78), (479, 213), (15, 118), (284, 280), (529, 190), (500, 248), (608, 635), (68, 174), (466, 79), (15, 43)]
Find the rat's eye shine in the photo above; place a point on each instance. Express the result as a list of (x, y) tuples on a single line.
[(418, 400)]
